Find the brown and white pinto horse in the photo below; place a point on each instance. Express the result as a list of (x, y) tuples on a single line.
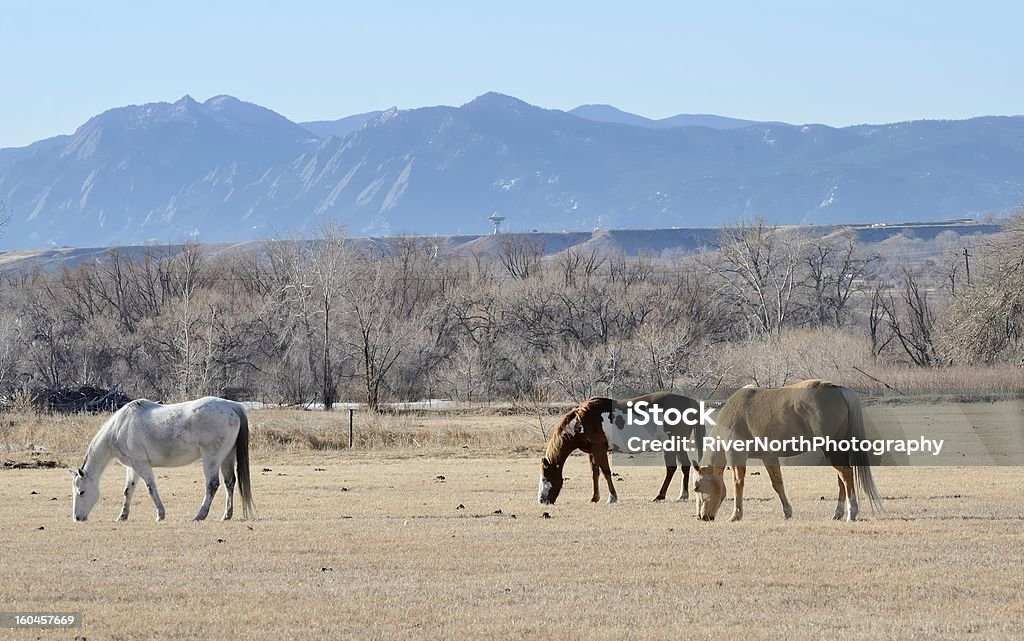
[(599, 426)]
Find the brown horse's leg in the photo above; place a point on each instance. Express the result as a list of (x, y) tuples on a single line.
[(602, 461), (738, 473), (775, 474), (851, 493), (840, 512), (596, 471)]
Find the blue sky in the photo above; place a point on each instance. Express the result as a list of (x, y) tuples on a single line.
[(837, 63)]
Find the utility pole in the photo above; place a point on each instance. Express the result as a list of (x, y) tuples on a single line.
[(967, 264)]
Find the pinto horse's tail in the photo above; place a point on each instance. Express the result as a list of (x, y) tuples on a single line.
[(242, 464), (859, 459)]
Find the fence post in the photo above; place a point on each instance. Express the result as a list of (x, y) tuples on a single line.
[(351, 418)]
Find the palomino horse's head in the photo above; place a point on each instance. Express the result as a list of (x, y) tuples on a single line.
[(710, 490), (84, 494), (550, 482)]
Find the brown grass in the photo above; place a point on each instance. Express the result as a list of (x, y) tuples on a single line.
[(372, 544)]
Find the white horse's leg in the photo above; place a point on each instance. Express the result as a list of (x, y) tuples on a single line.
[(146, 472), (227, 470), (129, 490), (211, 470)]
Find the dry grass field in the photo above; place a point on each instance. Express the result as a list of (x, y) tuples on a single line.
[(373, 544)]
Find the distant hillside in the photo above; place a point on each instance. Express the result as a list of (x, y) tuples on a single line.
[(227, 170), (340, 127), (630, 242)]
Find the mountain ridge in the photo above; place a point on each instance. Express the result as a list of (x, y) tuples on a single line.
[(225, 169)]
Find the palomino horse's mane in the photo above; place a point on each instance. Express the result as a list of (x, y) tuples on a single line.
[(559, 435)]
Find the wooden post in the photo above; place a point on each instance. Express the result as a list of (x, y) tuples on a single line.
[(351, 420)]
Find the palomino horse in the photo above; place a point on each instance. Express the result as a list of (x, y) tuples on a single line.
[(807, 409), (599, 426), (143, 435)]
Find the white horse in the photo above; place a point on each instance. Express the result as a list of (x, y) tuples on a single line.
[(143, 435)]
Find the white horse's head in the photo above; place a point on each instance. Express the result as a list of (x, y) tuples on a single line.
[(85, 492)]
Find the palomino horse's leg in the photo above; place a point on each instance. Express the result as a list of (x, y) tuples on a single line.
[(211, 470), (684, 465), (595, 469), (738, 473), (146, 473), (129, 490), (227, 470), (602, 461), (775, 474), (840, 512), (852, 507)]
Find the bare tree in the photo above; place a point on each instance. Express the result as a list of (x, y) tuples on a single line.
[(836, 270), (520, 254), (912, 320), (758, 267)]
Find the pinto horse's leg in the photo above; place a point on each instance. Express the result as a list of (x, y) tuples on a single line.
[(602, 462), (775, 474), (227, 470), (670, 471), (143, 469), (211, 470), (738, 473), (129, 490)]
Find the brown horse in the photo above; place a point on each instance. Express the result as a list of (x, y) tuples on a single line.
[(806, 409), (597, 427)]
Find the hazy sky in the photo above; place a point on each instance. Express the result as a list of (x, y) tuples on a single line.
[(836, 63)]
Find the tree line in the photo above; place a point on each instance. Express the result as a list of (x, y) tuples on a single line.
[(331, 318)]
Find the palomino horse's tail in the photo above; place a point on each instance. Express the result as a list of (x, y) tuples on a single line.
[(242, 464), (859, 459)]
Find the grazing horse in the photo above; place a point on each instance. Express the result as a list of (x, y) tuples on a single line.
[(599, 426), (143, 435), (806, 409)]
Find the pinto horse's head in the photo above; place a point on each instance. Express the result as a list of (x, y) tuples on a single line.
[(84, 494), (550, 482), (710, 490)]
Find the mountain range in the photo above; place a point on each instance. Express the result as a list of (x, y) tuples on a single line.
[(224, 170)]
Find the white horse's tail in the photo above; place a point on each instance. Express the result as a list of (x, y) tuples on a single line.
[(242, 464), (859, 460)]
